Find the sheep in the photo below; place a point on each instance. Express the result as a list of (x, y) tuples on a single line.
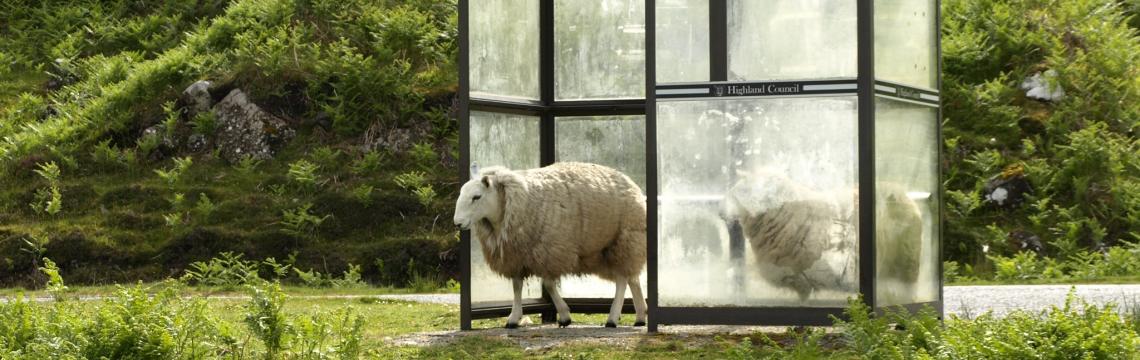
[(790, 228), (564, 219), (898, 229)]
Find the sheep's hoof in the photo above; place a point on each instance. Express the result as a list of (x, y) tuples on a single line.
[(564, 323), (639, 323), (611, 324), (511, 325)]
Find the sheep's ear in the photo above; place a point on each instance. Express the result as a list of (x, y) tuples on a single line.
[(474, 169), (486, 181)]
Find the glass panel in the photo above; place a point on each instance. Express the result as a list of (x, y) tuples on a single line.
[(682, 41), (512, 141), (614, 141), (599, 49), (906, 203), (905, 49), (785, 169), (791, 39), (504, 48)]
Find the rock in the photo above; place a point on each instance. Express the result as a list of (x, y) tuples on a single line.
[(245, 130), (1006, 192), (196, 98), (197, 143), (1020, 240), (322, 120), (394, 140), (168, 143)]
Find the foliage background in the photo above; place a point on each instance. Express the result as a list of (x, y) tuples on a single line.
[(369, 85)]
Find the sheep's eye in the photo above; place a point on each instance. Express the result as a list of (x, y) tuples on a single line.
[(476, 197)]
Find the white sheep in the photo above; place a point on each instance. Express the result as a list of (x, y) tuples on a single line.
[(790, 229), (563, 219)]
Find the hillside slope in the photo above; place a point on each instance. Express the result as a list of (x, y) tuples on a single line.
[(92, 88)]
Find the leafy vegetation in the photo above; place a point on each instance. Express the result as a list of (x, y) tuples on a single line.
[(92, 136), (1068, 168), (164, 322), (89, 104)]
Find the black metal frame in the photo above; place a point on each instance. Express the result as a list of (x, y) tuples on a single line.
[(865, 87)]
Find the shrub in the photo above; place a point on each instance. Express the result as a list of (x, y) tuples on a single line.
[(1078, 154), (228, 270)]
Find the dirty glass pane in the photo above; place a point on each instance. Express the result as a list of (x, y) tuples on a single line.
[(512, 141), (614, 141), (784, 168), (504, 48), (906, 203), (905, 38), (682, 41), (599, 49), (791, 39)]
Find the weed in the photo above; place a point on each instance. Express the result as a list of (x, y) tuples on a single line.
[(148, 143), (55, 285), (303, 173), (326, 156), (424, 155), (278, 269), (204, 208), (411, 180), (204, 123), (425, 195), (301, 222), (367, 164), (247, 165), (363, 194), (48, 200), (266, 318), (173, 175), (228, 270)]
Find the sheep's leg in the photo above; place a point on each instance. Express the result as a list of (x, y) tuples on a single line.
[(639, 305), (563, 309), (619, 301), (516, 306)]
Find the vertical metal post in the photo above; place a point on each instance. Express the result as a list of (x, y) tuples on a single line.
[(651, 160), (718, 40), (464, 118), (865, 33), (546, 126), (938, 130)]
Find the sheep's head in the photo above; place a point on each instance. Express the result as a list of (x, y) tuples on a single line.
[(479, 200), (760, 191)]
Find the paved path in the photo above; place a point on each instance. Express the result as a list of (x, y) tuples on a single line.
[(966, 301), (970, 301)]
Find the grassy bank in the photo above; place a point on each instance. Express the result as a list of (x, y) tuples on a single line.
[(165, 321)]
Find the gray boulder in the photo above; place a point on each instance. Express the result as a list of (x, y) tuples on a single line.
[(245, 130), (196, 98), (168, 141), (197, 143)]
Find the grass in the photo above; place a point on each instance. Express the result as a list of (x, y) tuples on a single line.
[(1100, 332), (290, 290)]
